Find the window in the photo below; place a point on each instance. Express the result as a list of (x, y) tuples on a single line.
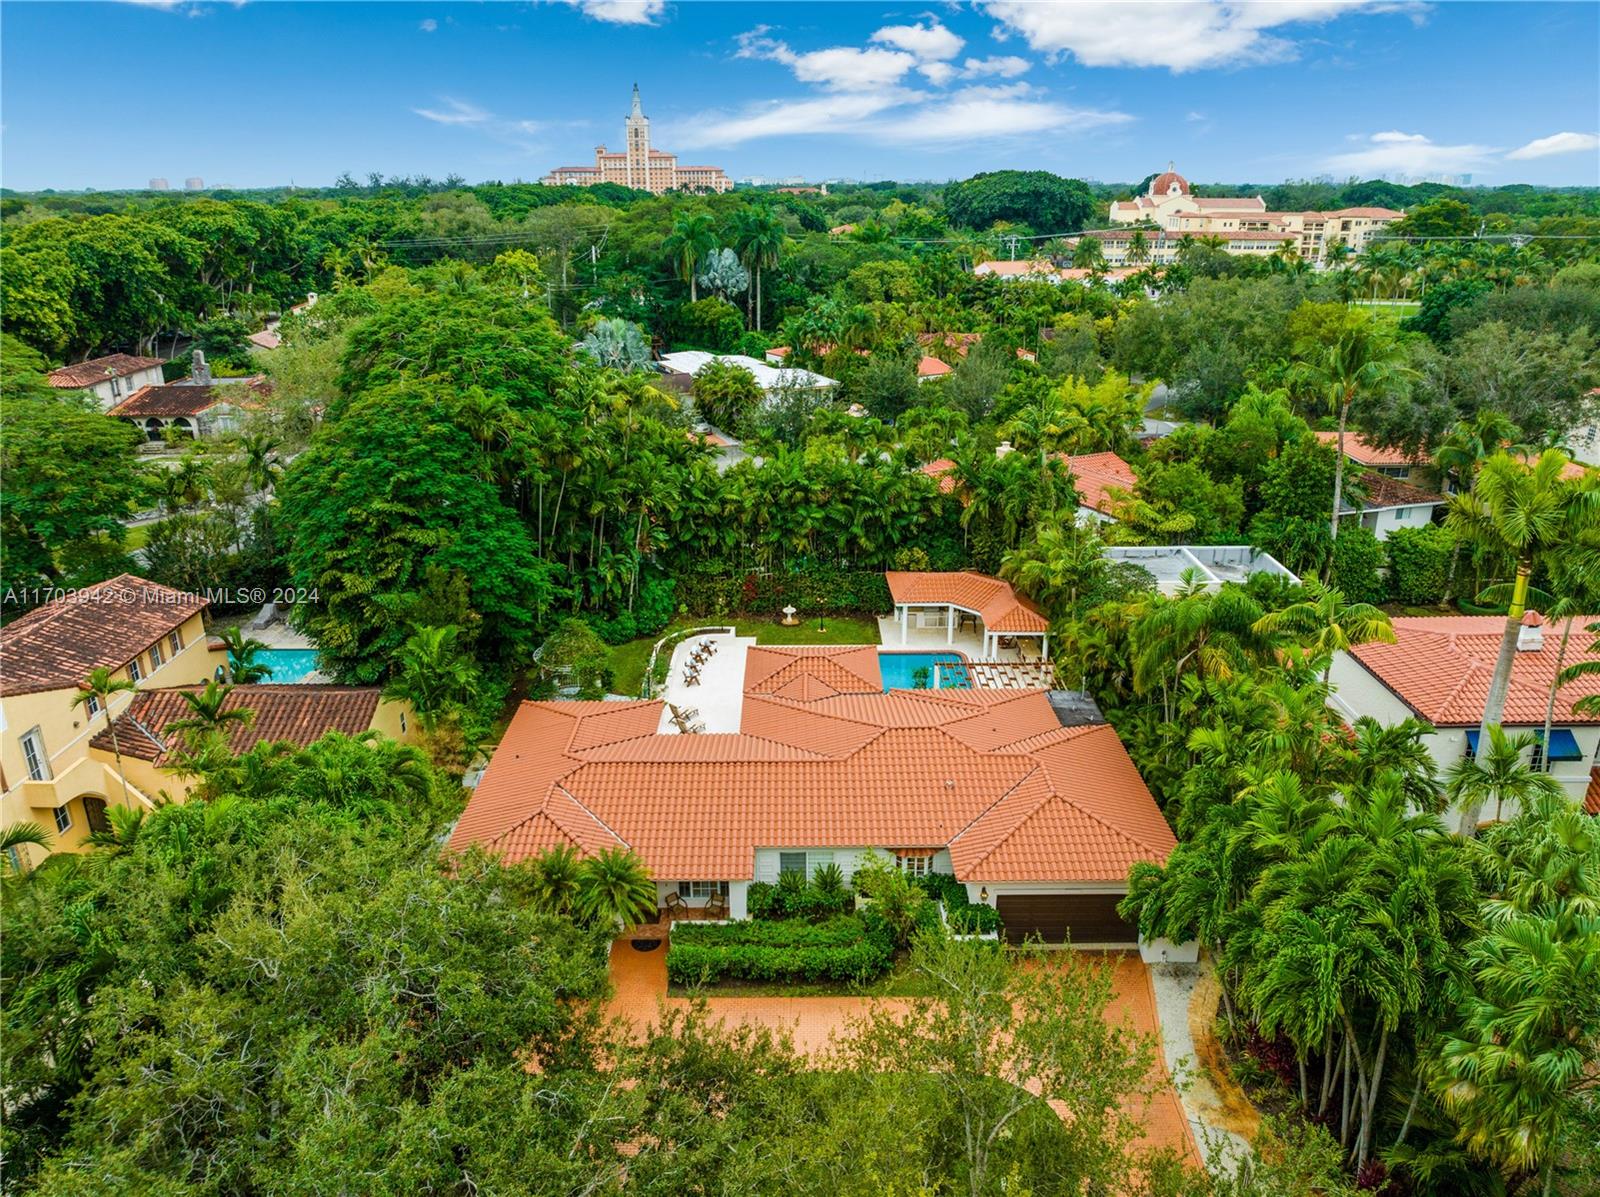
[(817, 860), (791, 862), (15, 858), (175, 641), (696, 890), (134, 671), (914, 864), (156, 659), (63, 820), (33, 751), (93, 705)]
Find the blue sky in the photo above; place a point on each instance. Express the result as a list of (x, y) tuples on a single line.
[(113, 94)]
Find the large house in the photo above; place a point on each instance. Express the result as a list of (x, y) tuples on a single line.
[(1102, 480), (192, 409), (1026, 796), (1243, 223), (1385, 504), (773, 380), (109, 379), (640, 166), (58, 765), (1438, 670)]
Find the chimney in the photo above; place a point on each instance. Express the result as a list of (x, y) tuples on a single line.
[(1003, 448), (199, 371), (1530, 636)]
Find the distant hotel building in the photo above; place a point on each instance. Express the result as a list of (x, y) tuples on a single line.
[(639, 166), (1242, 224)]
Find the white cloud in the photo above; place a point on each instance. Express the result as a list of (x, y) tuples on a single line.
[(1180, 35), (1007, 66), (840, 68), (1393, 152), (428, 25), (1557, 143), (621, 12), (454, 112), (929, 43)]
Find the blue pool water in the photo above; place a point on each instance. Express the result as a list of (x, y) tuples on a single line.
[(900, 670), (288, 664)]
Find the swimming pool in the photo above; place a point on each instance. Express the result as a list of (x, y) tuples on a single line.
[(900, 671), (288, 664)]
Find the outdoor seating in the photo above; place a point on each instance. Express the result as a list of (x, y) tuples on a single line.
[(673, 904), (716, 907)]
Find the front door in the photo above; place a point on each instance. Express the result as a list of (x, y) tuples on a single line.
[(94, 813)]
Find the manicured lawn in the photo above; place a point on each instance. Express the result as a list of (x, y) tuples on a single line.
[(1391, 313), (629, 661)]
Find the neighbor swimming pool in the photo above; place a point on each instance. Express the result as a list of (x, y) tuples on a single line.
[(900, 671), (288, 664)]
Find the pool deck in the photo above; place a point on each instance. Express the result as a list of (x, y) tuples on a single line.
[(717, 699)]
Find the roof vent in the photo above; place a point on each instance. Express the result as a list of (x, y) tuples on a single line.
[(1530, 636)]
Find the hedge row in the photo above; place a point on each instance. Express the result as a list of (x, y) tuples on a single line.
[(817, 588), (845, 949), (1419, 564), (965, 916)]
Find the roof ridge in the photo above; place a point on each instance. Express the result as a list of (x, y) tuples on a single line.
[(584, 807)]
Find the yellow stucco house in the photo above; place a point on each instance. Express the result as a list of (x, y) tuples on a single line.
[(57, 767)]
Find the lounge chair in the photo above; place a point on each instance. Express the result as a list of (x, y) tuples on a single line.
[(672, 904), (716, 907)]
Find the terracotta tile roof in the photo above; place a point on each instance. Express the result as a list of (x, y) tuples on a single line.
[(84, 374), (931, 367), (267, 338), (1359, 449), (299, 713), (1001, 608), (1591, 796), (183, 399), (54, 647), (1440, 666), (995, 775), (849, 670), (1382, 491), (1095, 475), (942, 471)]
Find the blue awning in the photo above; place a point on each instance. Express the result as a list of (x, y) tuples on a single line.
[(1563, 744)]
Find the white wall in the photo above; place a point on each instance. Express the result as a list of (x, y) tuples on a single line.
[(848, 859), (1385, 520)]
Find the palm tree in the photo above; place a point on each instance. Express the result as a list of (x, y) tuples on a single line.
[(1532, 515), (243, 668), (432, 673), (1498, 772), (759, 236), (261, 468), (693, 236), (1138, 248), (209, 713), (1057, 566), (19, 835), (1088, 254), (615, 889), (1362, 362), (119, 838), (1470, 443), (555, 879), (94, 694), (1326, 623)]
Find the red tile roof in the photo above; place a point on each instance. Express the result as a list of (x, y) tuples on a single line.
[(184, 399), (1095, 475), (300, 714), (1440, 667), (1001, 608), (994, 775), (54, 647), (1383, 491), (1359, 449), (84, 374), (1591, 796), (931, 367), (942, 471)]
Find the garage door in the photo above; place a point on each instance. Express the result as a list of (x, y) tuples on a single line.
[(1085, 918)]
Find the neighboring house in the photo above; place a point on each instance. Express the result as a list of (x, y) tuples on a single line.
[(1243, 222), (772, 379), (1175, 566), (951, 599), (1026, 796), (729, 449), (1036, 269), (193, 409), (1096, 476), (109, 379), (298, 714), (943, 471), (267, 338), (961, 343), (1389, 503), (1438, 670), (149, 634), (928, 368), (1416, 469), (1161, 246)]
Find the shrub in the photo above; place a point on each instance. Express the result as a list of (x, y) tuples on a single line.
[(845, 949), (1419, 564), (965, 917), (713, 324), (825, 588), (793, 898), (1357, 555)]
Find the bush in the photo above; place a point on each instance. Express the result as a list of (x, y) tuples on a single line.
[(792, 898), (713, 324), (825, 588), (1357, 556), (1419, 564), (845, 949), (964, 916)]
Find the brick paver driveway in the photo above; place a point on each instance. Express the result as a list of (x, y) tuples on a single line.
[(640, 983)]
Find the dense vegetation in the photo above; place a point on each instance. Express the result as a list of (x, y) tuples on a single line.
[(469, 467)]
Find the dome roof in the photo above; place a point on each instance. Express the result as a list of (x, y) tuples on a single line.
[(1169, 182)]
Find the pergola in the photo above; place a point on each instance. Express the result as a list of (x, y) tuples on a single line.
[(1002, 611)]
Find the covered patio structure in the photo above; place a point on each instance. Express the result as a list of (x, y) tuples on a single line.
[(1001, 617)]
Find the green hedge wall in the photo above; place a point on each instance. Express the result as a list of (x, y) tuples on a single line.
[(965, 916), (818, 588), (844, 949), (1419, 563)]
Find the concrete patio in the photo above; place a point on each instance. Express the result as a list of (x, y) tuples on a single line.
[(718, 696)]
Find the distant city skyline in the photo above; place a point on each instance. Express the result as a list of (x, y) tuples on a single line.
[(1497, 93)]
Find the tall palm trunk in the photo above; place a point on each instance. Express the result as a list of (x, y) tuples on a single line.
[(116, 751), (758, 297), (1494, 707), (1338, 478), (1550, 699)]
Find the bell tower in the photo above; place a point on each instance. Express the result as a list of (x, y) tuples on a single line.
[(638, 134)]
